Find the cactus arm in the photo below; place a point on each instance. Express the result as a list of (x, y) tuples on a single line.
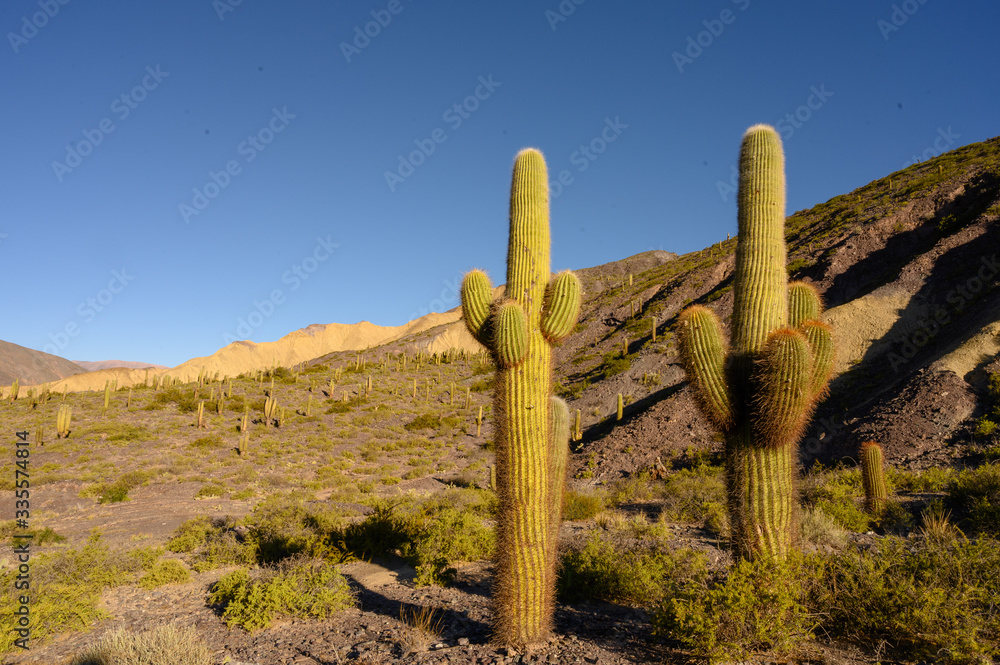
[(820, 338), (782, 386), (703, 352), (562, 306), (477, 296), (510, 337), (804, 303)]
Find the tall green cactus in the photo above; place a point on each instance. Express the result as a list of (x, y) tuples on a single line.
[(532, 434), (761, 393), (873, 478)]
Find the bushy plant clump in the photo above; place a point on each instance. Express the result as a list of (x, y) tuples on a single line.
[(66, 586), (299, 587), (639, 575)]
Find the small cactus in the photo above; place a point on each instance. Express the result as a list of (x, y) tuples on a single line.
[(270, 409), (63, 418), (873, 478), (620, 411)]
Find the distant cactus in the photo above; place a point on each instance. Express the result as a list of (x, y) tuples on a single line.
[(519, 330), (107, 395), (873, 478), (14, 388), (63, 418), (577, 427), (620, 411), (244, 423), (760, 394), (201, 414), (270, 408), (244, 443)]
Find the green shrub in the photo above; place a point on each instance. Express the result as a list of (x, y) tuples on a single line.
[(163, 645), (210, 441), (984, 427), (605, 571), (190, 535), (117, 491), (185, 401), (934, 479), (66, 586), (581, 505), (615, 363), (298, 587), (690, 495), (932, 601), (432, 421), (754, 607), (441, 539), (168, 571), (837, 493), (210, 491), (975, 497)]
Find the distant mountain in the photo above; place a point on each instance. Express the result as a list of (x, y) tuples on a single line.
[(94, 365), (430, 333), (31, 367)]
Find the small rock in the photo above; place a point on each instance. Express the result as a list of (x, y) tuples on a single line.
[(463, 641)]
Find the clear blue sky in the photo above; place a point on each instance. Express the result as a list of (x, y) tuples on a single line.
[(308, 114)]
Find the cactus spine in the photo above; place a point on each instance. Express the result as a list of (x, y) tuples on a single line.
[(537, 310), (760, 394), (873, 477)]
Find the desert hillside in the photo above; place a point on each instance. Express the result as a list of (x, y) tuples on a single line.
[(94, 365), (30, 367), (431, 333)]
